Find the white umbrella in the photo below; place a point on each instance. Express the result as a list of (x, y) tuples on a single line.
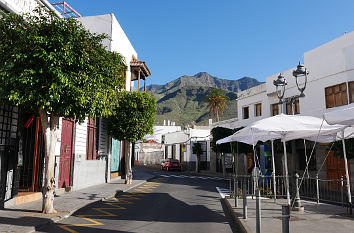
[(224, 140), (343, 116), (286, 128)]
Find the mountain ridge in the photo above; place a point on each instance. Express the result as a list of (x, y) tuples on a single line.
[(182, 100)]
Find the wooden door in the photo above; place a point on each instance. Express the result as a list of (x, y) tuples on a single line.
[(66, 153), (335, 168), (115, 155)]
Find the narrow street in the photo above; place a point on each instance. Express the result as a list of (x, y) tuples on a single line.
[(170, 202)]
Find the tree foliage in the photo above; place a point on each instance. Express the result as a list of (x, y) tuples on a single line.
[(134, 116), (220, 133), (56, 65), (56, 68), (349, 146), (217, 101), (197, 149)]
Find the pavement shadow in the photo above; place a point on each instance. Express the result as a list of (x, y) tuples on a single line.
[(169, 209), (334, 211), (192, 180), (25, 221), (87, 229)]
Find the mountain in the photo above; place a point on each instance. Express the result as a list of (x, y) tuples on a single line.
[(182, 100)]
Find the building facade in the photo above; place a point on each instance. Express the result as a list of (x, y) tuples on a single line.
[(85, 155), (330, 86)]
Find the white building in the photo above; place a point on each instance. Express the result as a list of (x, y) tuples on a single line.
[(179, 146), (152, 150), (85, 155), (89, 171), (23, 174), (330, 86)]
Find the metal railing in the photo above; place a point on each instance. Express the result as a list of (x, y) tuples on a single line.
[(326, 190), (320, 190)]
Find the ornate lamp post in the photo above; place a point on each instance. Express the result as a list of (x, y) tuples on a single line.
[(300, 74), (280, 83)]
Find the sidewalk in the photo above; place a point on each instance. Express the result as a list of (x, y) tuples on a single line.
[(322, 218), (28, 217)]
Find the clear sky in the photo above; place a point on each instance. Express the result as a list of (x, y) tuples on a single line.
[(227, 38)]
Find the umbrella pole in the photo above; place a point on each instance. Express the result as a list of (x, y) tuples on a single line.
[(273, 173), (286, 174), (347, 174)]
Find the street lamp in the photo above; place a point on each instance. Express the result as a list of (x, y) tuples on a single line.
[(300, 74), (280, 84)]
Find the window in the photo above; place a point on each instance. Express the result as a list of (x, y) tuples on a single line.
[(275, 109), (336, 95), (246, 113), (351, 92), (294, 109), (258, 109), (91, 139)]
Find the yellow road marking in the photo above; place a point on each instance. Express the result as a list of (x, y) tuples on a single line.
[(129, 197), (122, 201), (105, 211), (94, 223), (143, 191)]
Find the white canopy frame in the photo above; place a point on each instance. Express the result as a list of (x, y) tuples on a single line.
[(286, 128)]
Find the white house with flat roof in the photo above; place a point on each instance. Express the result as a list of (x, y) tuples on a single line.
[(330, 86)]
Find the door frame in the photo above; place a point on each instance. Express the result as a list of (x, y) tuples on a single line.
[(72, 151)]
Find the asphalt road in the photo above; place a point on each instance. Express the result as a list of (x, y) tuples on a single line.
[(171, 202)]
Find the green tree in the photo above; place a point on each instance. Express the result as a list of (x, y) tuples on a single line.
[(220, 133), (233, 147), (217, 101), (197, 149), (57, 68), (349, 146), (134, 118)]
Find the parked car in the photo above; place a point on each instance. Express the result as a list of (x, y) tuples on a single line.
[(171, 164)]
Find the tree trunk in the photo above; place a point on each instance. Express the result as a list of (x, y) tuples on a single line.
[(223, 165), (217, 116), (197, 164), (128, 163), (50, 140)]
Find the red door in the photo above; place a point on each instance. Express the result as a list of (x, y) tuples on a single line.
[(66, 153)]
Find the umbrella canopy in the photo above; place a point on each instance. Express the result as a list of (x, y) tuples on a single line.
[(337, 136), (285, 127), (344, 116)]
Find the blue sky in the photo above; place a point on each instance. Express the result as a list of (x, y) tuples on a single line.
[(228, 39)]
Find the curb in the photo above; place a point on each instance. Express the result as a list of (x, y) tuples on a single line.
[(59, 218), (237, 221)]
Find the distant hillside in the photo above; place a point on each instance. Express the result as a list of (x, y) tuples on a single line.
[(182, 100)]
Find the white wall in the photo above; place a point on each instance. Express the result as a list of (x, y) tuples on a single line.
[(328, 64), (250, 97), (119, 42), (86, 172), (26, 6)]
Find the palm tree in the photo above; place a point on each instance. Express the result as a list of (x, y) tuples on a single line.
[(197, 149), (217, 101)]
